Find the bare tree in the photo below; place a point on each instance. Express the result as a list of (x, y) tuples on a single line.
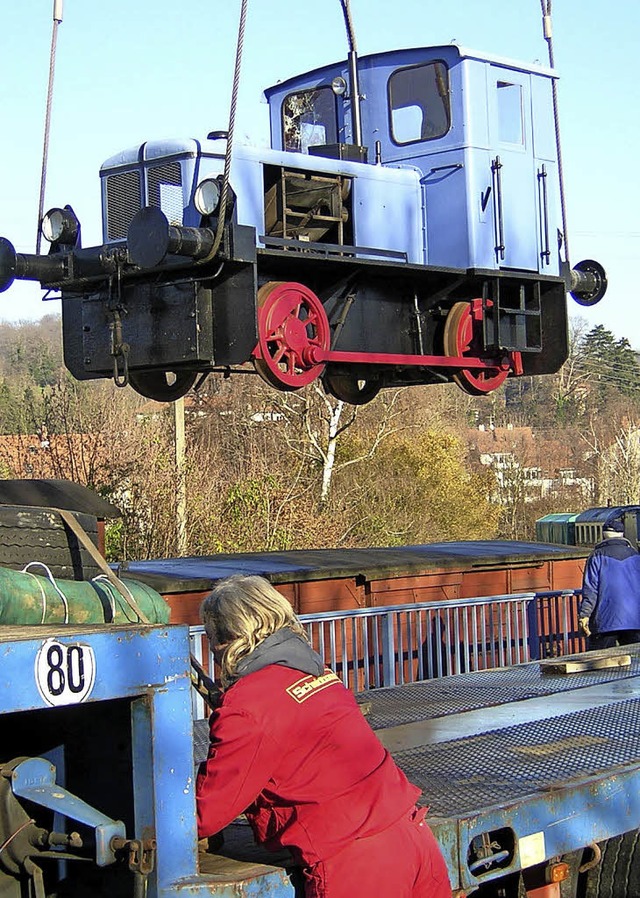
[(318, 420), (570, 380), (616, 461)]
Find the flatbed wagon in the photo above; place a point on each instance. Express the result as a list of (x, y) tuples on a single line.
[(531, 775)]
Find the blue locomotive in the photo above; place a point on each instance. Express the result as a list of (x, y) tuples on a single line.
[(403, 228)]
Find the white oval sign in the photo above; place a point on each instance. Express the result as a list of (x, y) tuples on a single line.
[(65, 672)]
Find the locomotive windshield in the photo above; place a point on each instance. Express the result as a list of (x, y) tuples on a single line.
[(309, 119), (419, 103)]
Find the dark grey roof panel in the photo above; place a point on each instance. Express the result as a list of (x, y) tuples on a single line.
[(56, 494), (191, 574)]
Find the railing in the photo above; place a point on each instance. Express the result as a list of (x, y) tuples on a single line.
[(373, 647)]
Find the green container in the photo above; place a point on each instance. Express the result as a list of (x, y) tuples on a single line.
[(28, 598)]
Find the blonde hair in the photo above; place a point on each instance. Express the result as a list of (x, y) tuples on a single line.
[(241, 612)]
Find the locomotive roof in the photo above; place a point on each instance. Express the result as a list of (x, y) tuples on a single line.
[(176, 575), (603, 513), (408, 56)]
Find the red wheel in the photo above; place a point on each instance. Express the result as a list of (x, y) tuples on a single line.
[(463, 336), (291, 320)]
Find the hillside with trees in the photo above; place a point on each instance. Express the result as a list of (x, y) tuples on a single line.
[(270, 470)]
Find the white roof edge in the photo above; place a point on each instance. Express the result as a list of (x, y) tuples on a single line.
[(464, 53), (507, 61)]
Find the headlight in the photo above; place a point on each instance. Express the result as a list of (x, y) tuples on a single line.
[(339, 86), (60, 226), (207, 196)]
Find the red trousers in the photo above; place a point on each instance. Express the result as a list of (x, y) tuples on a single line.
[(404, 861)]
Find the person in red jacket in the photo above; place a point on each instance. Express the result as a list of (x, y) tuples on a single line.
[(291, 749)]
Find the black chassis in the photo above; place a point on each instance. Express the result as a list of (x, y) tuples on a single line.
[(191, 316)]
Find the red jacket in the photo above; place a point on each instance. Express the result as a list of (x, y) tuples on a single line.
[(295, 753)]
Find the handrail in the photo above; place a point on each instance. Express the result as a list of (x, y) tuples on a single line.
[(395, 644)]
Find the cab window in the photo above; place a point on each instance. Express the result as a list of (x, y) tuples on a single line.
[(419, 103), (510, 126), (309, 119)]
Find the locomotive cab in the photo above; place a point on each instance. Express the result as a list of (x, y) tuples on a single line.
[(466, 122)]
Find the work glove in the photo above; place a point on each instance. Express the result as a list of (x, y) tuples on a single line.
[(583, 623)]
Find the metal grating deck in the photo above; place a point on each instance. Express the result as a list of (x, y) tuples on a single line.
[(431, 699), (545, 762), (500, 767), (476, 770)]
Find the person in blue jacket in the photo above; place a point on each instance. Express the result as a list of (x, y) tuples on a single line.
[(609, 612)]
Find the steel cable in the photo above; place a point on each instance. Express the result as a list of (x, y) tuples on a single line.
[(232, 122), (348, 21), (547, 32), (57, 19)]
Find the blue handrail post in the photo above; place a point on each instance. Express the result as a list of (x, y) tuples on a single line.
[(388, 651), (532, 626)]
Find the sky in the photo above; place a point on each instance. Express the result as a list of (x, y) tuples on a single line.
[(134, 70)]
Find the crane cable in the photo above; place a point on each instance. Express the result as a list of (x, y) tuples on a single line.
[(547, 32), (232, 123), (348, 21), (356, 120), (57, 19)]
